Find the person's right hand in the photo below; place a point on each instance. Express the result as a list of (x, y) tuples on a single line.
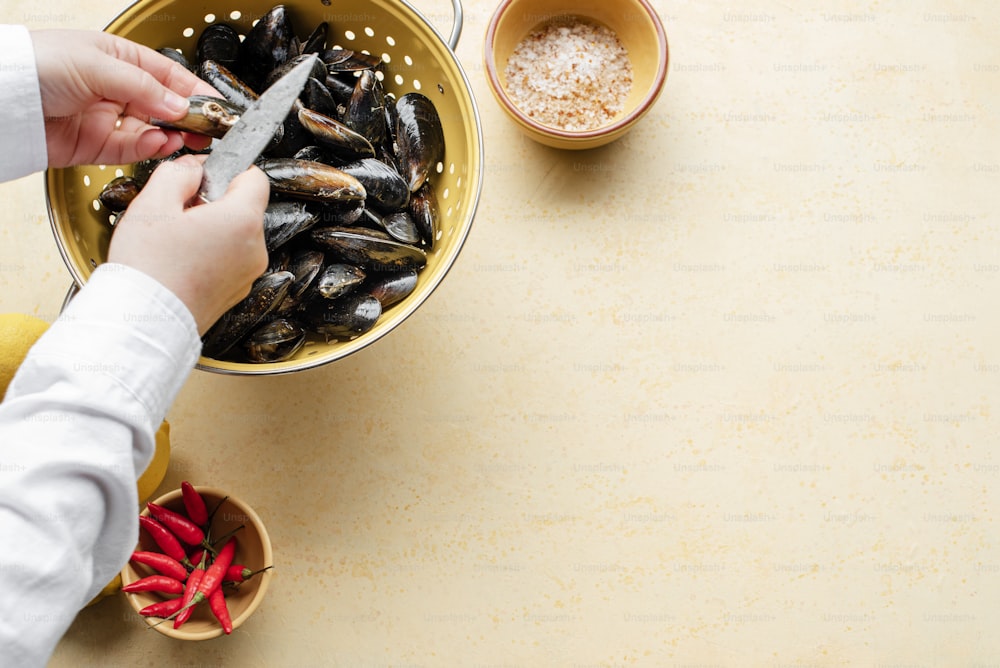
[(208, 254)]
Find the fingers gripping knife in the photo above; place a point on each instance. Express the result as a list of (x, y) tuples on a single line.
[(243, 143)]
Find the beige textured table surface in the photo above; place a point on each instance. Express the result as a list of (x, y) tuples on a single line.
[(719, 394)]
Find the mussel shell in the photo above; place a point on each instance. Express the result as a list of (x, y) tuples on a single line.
[(316, 96), (275, 341), (266, 294), (340, 90), (318, 70), (346, 60), (334, 214), (370, 249), (219, 42), (211, 116), (423, 208), (335, 136), (399, 225), (230, 86), (266, 46), (344, 318), (338, 279), (305, 265), (386, 189), (419, 138), (278, 260), (293, 137), (177, 57), (306, 179), (118, 193), (284, 220), (390, 287), (366, 108), (316, 41), (314, 153)]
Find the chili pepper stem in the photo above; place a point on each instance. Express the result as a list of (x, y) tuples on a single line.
[(226, 536), (211, 515)]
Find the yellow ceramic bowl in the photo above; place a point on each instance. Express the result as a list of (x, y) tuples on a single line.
[(253, 549), (634, 21)]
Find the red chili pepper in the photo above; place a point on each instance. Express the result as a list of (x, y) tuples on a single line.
[(167, 541), (182, 527), (160, 583), (194, 504), (161, 563), (197, 556), (217, 603), (187, 607), (240, 573), (214, 573), (163, 608)]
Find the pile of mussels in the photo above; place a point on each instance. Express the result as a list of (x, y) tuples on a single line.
[(352, 212)]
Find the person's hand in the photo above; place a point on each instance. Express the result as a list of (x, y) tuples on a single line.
[(206, 254), (98, 92)]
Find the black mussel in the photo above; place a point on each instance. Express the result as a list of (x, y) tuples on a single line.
[(419, 138), (119, 193), (316, 96), (219, 42), (340, 213), (316, 41), (267, 46), (305, 179), (338, 279), (340, 90), (318, 71), (390, 287), (345, 60), (370, 249), (386, 189), (423, 208), (305, 265), (344, 318), (230, 86), (291, 137), (278, 260), (399, 225), (177, 57), (314, 153), (366, 108), (266, 294), (212, 116), (275, 341), (335, 136), (387, 152), (284, 220)]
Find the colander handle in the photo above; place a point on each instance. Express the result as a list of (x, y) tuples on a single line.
[(456, 29), (73, 289)]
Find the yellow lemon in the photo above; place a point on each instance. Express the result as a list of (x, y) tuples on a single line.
[(18, 332), (110, 589), (157, 469)]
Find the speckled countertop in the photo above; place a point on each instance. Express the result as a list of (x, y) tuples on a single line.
[(718, 394)]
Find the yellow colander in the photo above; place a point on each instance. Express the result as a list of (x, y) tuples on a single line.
[(416, 58)]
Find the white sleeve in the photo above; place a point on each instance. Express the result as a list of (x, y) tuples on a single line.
[(22, 126), (76, 429)]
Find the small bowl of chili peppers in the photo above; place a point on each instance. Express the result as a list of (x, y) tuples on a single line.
[(202, 564)]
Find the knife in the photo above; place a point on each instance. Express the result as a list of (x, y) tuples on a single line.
[(243, 143)]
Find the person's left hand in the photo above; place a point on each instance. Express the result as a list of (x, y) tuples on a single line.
[(98, 93)]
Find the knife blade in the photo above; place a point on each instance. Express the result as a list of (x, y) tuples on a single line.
[(243, 143)]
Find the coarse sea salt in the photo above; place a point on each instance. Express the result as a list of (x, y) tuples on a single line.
[(569, 74)]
